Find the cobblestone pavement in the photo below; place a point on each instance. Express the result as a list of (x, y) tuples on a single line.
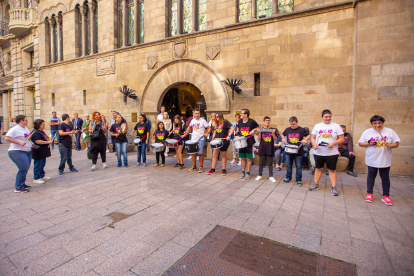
[(62, 227)]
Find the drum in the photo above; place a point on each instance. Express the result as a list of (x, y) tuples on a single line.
[(172, 143), (192, 146), (292, 149), (216, 144), (138, 142), (157, 147), (240, 142)]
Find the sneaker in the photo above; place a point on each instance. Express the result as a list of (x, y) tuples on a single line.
[(118, 166), (104, 166), (38, 181), (46, 178), (200, 170), (387, 201), (239, 164), (247, 177), (73, 170), (299, 183), (242, 175), (314, 187), (223, 172), (189, 157), (93, 168), (60, 172), (334, 191), (21, 191), (107, 150), (233, 161), (138, 164), (272, 179), (259, 177), (166, 154), (192, 169), (369, 198), (145, 164), (177, 165), (147, 152), (182, 166), (27, 187), (125, 165), (286, 180), (351, 173), (211, 171), (278, 168)]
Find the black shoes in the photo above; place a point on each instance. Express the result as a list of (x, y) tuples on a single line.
[(351, 173)]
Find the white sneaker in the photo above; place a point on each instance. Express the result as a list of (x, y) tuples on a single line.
[(105, 166), (272, 179), (165, 154), (38, 181), (46, 178), (258, 177), (239, 164), (189, 157), (93, 167), (86, 149), (233, 162), (107, 150)]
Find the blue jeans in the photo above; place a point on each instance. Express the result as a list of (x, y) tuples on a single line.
[(121, 148), (305, 163), (38, 168), (22, 159), (201, 146), (65, 156), (283, 157), (289, 164), (53, 133), (78, 136), (141, 151)]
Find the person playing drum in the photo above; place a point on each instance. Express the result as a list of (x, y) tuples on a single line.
[(221, 131), (160, 135), (198, 125), (267, 138), (294, 135), (178, 131), (143, 132), (247, 128)]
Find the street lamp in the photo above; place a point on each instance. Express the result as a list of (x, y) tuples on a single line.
[(127, 93)]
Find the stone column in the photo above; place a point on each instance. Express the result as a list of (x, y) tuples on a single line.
[(136, 21), (83, 11), (6, 117), (124, 23), (92, 7), (59, 38), (52, 39), (274, 7), (254, 10), (179, 17), (195, 16)]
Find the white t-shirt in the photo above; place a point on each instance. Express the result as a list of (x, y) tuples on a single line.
[(327, 133), (199, 127), (379, 156), (160, 117), (19, 134)]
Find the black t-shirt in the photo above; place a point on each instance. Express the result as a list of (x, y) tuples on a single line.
[(116, 128), (43, 151), (177, 131), (267, 143), (223, 130), (295, 136), (65, 140), (245, 129), (142, 130), (161, 136)]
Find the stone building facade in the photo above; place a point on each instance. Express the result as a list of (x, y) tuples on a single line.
[(297, 57)]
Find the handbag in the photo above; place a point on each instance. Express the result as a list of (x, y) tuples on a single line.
[(95, 132)]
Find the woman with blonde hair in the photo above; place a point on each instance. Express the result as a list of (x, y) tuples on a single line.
[(223, 129), (97, 130), (85, 129)]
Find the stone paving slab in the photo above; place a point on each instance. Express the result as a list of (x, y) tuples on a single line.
[(62, 227)]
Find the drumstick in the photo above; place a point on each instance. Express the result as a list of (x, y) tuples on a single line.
[(380, 133), (52, 141), (28, 137)]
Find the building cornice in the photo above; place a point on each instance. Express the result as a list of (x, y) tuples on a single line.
[(257, 22)]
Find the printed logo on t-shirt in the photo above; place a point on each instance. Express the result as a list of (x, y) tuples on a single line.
[(196, 126), (160, 136), (141, 130), (294, 138), (46, 137), (326, 133), (380, 141), (67, 130), (176, 130), (26, 135), (219, 129), (245, 131), (118, 129), (267, 137)]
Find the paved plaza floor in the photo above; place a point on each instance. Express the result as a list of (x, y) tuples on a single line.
[(158, 214)]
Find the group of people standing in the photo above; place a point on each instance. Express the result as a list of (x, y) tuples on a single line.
[(327, 141)]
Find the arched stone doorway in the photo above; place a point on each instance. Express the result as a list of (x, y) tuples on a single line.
[(184, 71)]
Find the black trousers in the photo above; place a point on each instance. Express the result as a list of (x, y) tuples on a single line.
[(157, 156), (98, 147), (269, 163), (385, 179), (351, 158)]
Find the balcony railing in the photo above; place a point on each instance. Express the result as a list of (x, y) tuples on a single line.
[(4, 33), (21, 20)]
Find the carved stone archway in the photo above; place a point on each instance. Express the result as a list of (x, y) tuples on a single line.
[(190, 71)]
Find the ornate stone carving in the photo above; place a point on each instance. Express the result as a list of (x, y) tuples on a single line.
[(180, 48), (212, 51), (152, 62), (105, 65)]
